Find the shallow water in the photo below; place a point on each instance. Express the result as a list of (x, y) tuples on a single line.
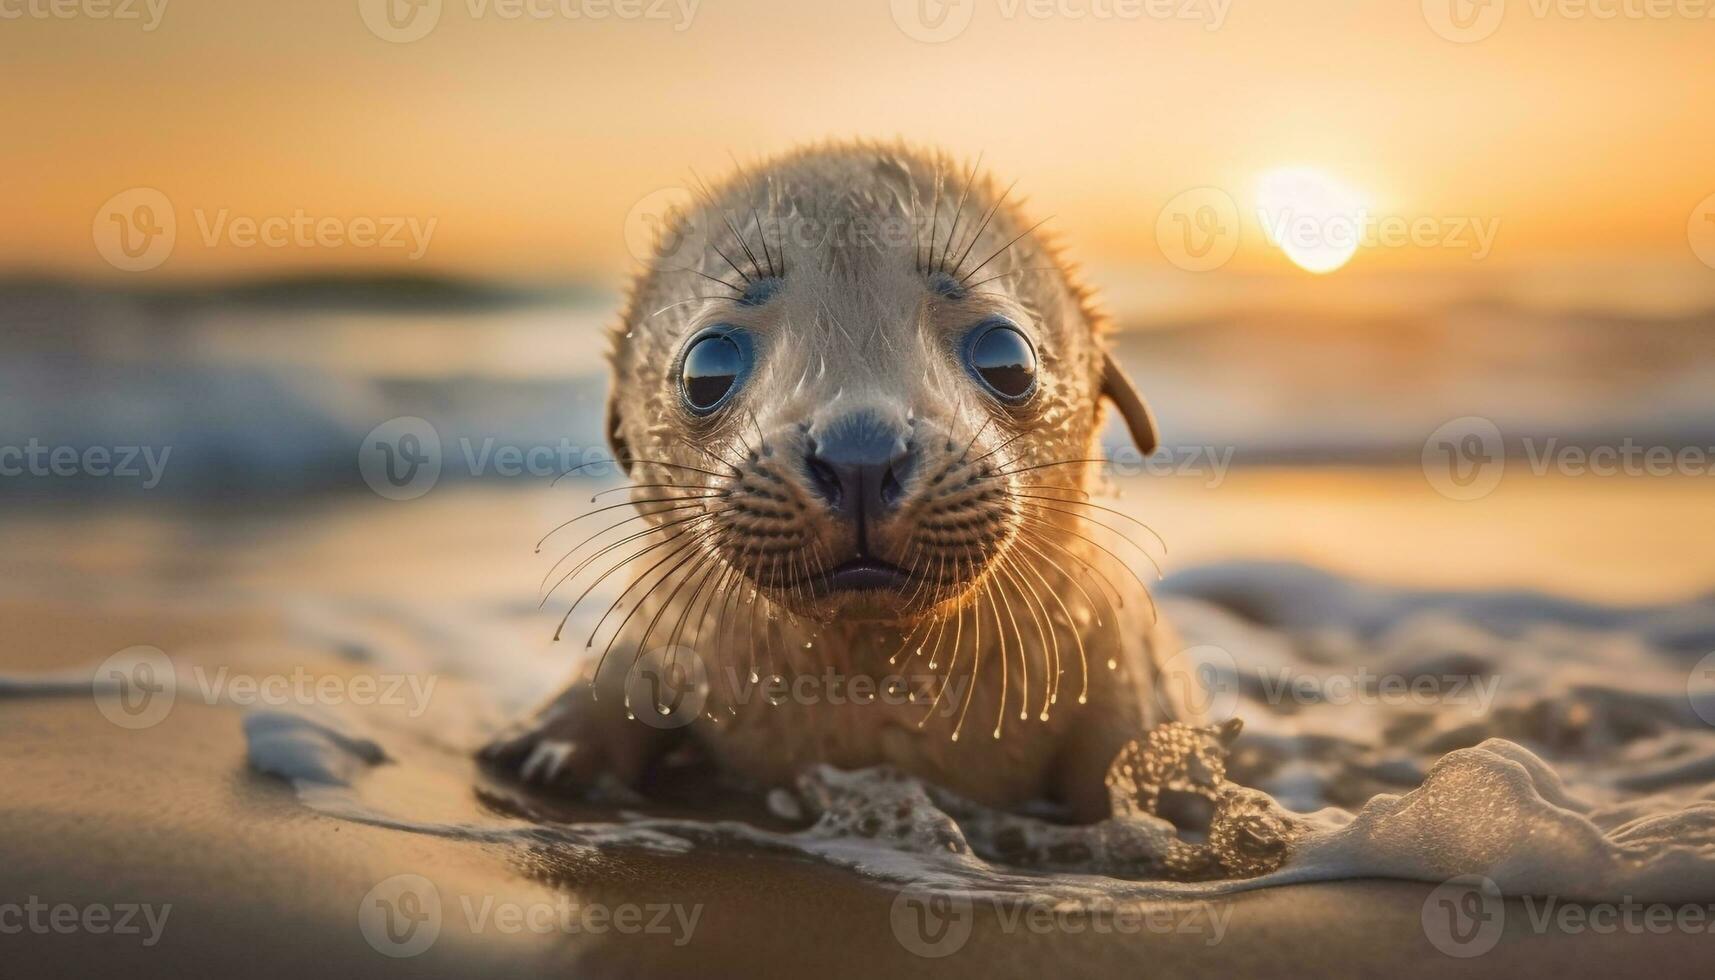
[(1554, 745)]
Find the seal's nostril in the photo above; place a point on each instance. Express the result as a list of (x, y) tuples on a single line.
[(825, 479), (891, 491)]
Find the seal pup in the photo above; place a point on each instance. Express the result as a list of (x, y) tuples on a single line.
[(856, 394)]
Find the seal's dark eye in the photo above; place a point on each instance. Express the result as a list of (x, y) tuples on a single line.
[(713, 367), (1002, 359)]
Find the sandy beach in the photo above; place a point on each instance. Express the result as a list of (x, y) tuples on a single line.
[(261, 884)]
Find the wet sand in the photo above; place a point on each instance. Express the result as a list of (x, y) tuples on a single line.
[(260, 885)]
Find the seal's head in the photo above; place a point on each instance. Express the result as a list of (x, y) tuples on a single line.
[(861, 379)]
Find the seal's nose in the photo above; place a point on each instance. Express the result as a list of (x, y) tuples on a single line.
[(858, 463)]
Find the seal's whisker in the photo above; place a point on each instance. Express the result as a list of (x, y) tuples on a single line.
[(941, 690), (650, 486), (1009, 567), (1009, 441), (700, 298), (959, 212), (710, 205), (978, 233), (1086, 502), (1024, 570), (691, 568), (694, 537), (1058, 462), (1093, 543), (698, 272), (934, 219), (1051, 529), (755, 265), (1000, 634), (1004, 248), (976, 665), (973, 287), (1116, 532), (629, 503), (1051, 486), (736, 472), (1026, 539), (635, 459), (762, 239), (715, 565), (666, 525), (542, 587)]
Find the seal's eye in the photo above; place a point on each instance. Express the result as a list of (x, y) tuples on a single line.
[(1003, 360), (714, 365)]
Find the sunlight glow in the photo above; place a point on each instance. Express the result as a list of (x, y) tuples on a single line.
[(1317, 221)]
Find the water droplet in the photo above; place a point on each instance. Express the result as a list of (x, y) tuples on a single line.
[(955, 736), (997, 733), (663, 710), (629, 716), (809, 644), (1083, 699), (1044, 715), (1112, 663), (754, 677)]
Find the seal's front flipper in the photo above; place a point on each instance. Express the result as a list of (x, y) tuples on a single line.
[(575, 740)]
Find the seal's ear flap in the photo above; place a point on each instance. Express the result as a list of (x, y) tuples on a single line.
[(616, 441), (1117, 388)]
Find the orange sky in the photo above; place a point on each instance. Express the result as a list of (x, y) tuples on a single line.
[(527, 141)]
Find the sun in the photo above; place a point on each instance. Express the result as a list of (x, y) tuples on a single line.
[(1316, 220)]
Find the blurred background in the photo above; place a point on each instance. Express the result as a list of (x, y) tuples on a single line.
[(1380, 266)]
